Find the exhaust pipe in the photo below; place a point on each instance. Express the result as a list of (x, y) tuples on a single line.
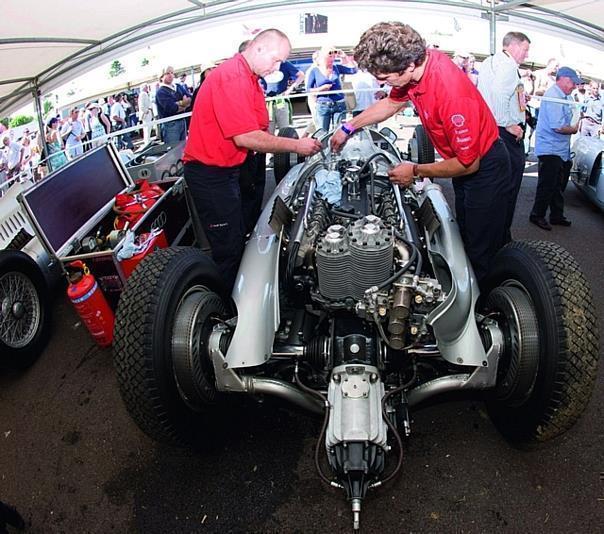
[(285, 390), (437, 386)]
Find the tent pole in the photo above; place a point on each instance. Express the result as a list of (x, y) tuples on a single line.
[(492, 28), (39, 111)]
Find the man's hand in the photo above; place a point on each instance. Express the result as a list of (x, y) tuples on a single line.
[(515, 130), (308, 146), (402, 174), (338, 140)]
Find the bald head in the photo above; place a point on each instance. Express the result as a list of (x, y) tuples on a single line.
[(267, 51)]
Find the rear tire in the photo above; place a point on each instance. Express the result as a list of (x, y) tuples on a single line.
[(150, 329), (421, 149), (283, 161), (568, 340), (24, 310)]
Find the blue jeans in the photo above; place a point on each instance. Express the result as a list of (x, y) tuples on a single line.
[(173, 132), (328, 111)]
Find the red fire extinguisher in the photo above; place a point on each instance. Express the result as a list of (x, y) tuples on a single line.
[(90, 303)]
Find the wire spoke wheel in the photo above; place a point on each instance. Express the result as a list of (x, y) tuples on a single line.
[(20, 315), (24, 310)]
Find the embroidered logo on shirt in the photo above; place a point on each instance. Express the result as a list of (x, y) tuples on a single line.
[(458, 120)]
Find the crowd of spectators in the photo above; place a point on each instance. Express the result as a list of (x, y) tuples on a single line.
[(86, 126)]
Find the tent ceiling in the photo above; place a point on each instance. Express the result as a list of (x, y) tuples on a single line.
[(46, 44)]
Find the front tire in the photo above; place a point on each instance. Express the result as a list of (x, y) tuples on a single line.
[(168, 308), (24, 310), (547, 403)]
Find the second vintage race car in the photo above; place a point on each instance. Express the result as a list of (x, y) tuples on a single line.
[(355, 300)]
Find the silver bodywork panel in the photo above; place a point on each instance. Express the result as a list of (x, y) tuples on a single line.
[(587, 172), (453, 321), (256, 291)]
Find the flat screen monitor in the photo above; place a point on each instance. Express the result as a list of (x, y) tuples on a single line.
[(313, 23), (71, 197)]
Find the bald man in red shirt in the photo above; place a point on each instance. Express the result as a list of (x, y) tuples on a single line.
[(230, 119), (459, 124)]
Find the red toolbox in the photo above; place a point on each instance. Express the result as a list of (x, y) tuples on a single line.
[(149, 242)]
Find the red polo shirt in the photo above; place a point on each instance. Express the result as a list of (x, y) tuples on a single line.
[(453, 112), (230, 102)]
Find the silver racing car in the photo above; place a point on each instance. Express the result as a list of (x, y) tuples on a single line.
[(355, 300)]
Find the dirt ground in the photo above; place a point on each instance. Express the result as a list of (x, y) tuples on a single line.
[(72, 461)]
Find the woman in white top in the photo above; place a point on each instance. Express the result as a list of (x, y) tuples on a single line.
[(99, 125)]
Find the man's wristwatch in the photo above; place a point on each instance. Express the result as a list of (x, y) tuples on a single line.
[(415, 171), (347, 128)]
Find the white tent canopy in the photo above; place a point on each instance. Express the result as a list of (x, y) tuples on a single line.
[(45, 44)]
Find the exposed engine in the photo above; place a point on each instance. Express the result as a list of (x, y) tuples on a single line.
[(351, 264), (370, 318)]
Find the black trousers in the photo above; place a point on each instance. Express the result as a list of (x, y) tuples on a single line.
[(217, 197), (252, 181), (517, 160), (553, 177), (481, 205)]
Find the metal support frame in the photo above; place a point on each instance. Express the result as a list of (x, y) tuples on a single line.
[(493, 28), (39, 115)]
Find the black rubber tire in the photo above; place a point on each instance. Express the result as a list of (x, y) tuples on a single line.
[(142, 344), (568, 341), (23, 338), (20, 240), (282, 162), (425, 148)]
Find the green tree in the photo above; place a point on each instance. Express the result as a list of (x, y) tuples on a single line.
[(144, 62), (19, 120), (5, 121), (116, 69), (47, 107)]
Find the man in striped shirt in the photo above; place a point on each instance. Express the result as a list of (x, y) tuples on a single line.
[(500, 85)]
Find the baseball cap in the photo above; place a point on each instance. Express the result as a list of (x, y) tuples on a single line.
[(567, 72)]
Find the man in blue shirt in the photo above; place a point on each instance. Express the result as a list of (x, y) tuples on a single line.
[(170, 101), (278, 84), (552, 146)]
